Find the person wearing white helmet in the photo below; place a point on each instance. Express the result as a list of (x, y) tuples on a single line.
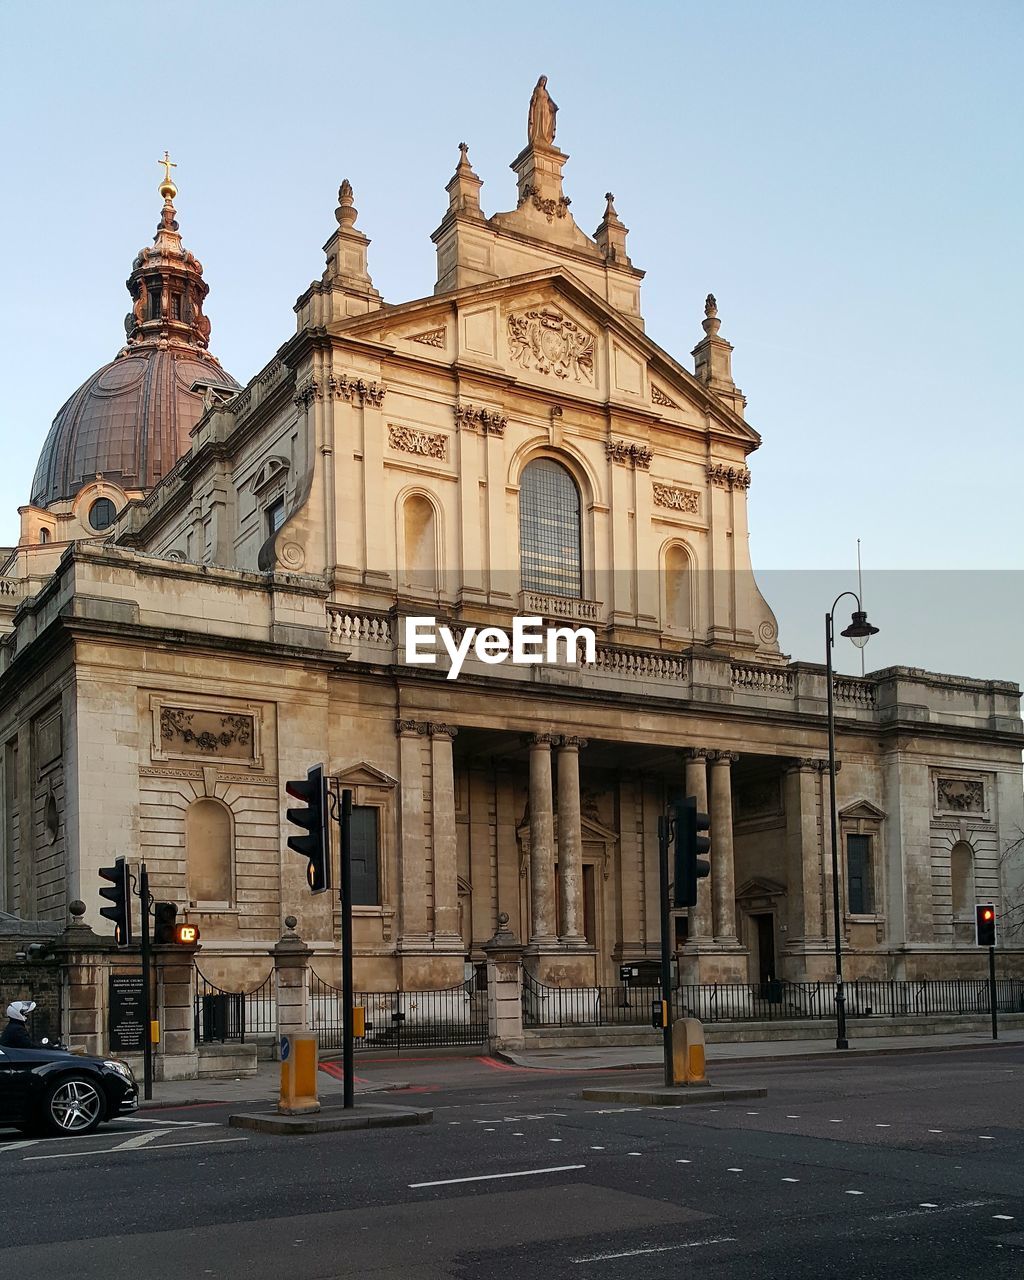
[(15, 1034)]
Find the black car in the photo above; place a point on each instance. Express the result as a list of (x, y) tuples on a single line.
[(49, 1090)]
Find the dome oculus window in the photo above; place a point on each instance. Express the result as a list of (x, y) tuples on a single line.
[(102, 514)]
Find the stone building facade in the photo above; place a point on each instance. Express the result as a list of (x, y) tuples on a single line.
[(513, 445)]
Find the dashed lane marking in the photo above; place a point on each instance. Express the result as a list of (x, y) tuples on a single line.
[(493, 1177), (164, 1146), (922, 1210), (853, 1193), (661, 1248), (1003, 1217)]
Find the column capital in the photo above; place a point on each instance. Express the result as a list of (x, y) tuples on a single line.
[(442, 730), (542, 740), (809, 764), (412, 728), (723, 757), (568, 743), (696, 753)]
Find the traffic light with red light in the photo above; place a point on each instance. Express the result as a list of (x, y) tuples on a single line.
[(119, 894), (985, 923), (314, 844)]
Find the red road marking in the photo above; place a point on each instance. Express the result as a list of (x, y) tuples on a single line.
[(338, 1073)]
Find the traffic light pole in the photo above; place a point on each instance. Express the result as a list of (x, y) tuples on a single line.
[(992, 991), (664, 836), (348, 995), (147, 1009)]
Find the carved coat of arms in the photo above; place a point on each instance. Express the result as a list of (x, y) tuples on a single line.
[(549, 342)]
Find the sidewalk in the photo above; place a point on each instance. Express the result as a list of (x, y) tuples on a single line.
[(263, 1087), (649, 1056)]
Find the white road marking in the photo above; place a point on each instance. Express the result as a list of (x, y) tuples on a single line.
[(634, 1153), (554, 1139), (491, 1177), (1003, 1217), (519, 1135), (792, 1117), (734, 1170), (883, 1126), (17, 1146), (490, 1131), (927, 1204), (934, 1130), (854, 1193), (986, 1137), (662, 1248), (164, 1146), (597, 1148), (141, 1140), (790, 1179), (178, 1124), (684, 1162), (753, 1113), (920, 1212), (835, 1122)]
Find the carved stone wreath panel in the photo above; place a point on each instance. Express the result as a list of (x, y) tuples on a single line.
[(424, 443), (186, 730), (549, 342), (676, 499), (960, 795)]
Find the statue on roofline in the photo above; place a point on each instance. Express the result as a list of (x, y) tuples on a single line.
[(541, 125)]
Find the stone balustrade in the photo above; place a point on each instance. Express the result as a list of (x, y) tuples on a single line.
[(753, 679)]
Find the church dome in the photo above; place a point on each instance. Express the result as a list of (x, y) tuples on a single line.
[(130, 422)]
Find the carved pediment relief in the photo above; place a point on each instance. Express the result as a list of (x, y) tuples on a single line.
[(546, 340)]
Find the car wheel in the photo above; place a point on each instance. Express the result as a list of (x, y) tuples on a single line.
[(73, 1106)]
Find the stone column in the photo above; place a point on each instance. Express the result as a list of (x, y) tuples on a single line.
[(723, 875), (413, 934), (570, 841), (291, 982), (84, 960), (446, 864), (176, 1057), (542, 843), (700, 917), (504, 955)]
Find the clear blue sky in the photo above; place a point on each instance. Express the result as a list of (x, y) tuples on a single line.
[(846, 178)]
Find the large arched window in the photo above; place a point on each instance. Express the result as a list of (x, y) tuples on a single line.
[(208, 848), (550, 559)]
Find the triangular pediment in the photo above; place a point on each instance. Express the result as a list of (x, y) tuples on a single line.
[(862, 809), (549, 330), (760, 887), (364, 775)]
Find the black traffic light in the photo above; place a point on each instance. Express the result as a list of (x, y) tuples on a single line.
[(119, 895), (689, 864), (985, 923), (312, 818), (166, 928)]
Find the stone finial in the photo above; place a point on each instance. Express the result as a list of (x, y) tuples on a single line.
[(713, 359), (464, 187), (711, 323), (346, 212), (290, 922), (76, 909), (711, 305), (611, 234)]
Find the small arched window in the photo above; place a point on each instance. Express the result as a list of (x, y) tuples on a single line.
[(678, 590), (208, 852), (102, 514), (419, 572), (44, 535), (961, 867), (550, 555)]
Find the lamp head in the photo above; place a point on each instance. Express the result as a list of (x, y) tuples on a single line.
[(860, 630)]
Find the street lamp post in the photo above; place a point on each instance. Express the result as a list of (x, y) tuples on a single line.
[(859, 631)]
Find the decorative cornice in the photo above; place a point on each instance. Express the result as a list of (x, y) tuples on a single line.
[(431, 337), (357, 391), (423, 443), (490, 422), (728, 477), (626, 454), (666, 495)]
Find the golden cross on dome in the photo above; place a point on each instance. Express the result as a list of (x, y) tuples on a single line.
[(168, 165)]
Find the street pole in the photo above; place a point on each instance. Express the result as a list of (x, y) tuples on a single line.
[(992, 991), (147, 1006), (348, 1059), (664, 836), (841, 1040)]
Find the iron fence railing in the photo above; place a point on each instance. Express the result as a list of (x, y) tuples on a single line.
[(222, 1016), (777, 1000), (444, 1018)]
